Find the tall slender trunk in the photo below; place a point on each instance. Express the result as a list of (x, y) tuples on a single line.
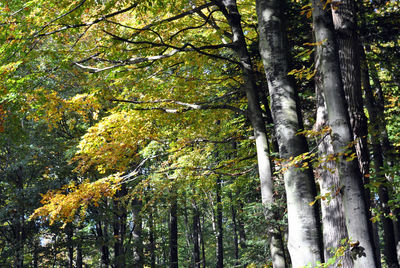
[(173, 232), (102, 236), (19, 222), (333, 218), (79, 255), (196, 236), (203, 248), (118, 249), (220, 230), (152, 240), (304, 233), (241, 229), (349, 174), (235, 230), (137, 240), (36, 253), (230, 11), (375, 123), (188, 230), (380, 109), (120, 215), (70, 234)]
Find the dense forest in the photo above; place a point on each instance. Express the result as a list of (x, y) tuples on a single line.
[(200, 133)]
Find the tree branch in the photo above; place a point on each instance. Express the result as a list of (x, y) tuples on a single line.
[(59, 17), (103, 18), (189, 106), (123, 63)]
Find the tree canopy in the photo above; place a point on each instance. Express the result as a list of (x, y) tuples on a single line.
[(191, 133)]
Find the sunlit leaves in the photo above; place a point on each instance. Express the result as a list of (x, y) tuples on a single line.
[(62, 205), (48, 105)]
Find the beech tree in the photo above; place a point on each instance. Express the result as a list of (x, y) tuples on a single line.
[(304, 237), (349, 174)]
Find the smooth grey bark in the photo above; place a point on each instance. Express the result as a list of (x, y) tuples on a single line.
[(230, 11), (349, 174), (304, 234), (376, 124), (333, 219)]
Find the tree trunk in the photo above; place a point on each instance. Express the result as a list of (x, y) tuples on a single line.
[(36, 253), (333, 219), (241, 230), (220, 231), (102, 235), (344, 21), (196, 236), (235, 231), (152, 240), (70, 234), (79, 257), (349, 174), (137, 234), (230, 11), (173, 232), (304, 233), (376, 124), (118, 249), (120, 215), (188, 230), (203, 248)]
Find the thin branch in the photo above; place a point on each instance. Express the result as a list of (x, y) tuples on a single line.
[(59, 17), (189, 106), (179, 16), (193, 27), (186, 47), (212, 170), (123, 63), (103, 18), (211, 22)]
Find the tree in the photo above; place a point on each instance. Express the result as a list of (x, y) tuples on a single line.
[(349, 175), (299, 184)]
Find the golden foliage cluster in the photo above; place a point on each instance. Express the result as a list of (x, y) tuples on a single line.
[(62, 205)]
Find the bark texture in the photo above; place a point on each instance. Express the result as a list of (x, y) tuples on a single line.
[(304, 235), (230, 11), (349, 174), (344, 21), (332, 211)]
